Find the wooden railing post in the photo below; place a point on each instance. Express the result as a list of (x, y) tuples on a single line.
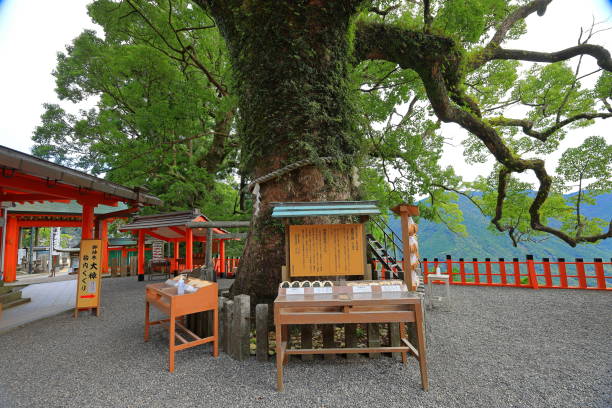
[(502, 272), (488, 271), (475, 270), (547, 275), (462, 270), (562, 273), (533, 279), (425, 271), (517, 271), (599, 273), (582, 283), (449, 269)]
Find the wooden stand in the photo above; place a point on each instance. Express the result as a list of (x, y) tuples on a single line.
[(166, 299), (345, 304)]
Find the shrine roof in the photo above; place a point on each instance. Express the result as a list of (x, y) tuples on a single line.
[(60, 181), (324, 208), (170, 226), (59, 208)]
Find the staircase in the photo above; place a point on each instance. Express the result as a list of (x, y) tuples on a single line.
[(381, 251), (10, 297)]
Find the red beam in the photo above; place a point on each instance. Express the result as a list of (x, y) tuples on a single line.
[(36, 185), (155, 235), (50, 223), (20, 198), (179, 231)]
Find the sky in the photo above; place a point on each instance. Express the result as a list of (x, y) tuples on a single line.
[(32, 32)]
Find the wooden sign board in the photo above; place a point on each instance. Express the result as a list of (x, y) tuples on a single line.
[(326, 250), (88, 282), (157, 249)]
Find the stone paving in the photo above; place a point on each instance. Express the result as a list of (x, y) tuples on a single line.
[(497, 347)]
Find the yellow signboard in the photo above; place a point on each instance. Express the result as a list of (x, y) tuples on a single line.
[(326, 250), (88, 282)]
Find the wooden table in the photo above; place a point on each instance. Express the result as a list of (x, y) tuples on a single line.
[(166, 299), (345, 304)]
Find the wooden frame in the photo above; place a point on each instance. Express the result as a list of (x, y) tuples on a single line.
[(166, 299), (343, 306)]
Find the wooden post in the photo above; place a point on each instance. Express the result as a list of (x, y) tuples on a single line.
[(189, 248), (517, 271), (405, 211), (502, 272), (582, 282), (261, 328), (533, 279), (87, 221), (547, 275), (241, 327), (475, 269), (562, 273), (228, 322), (141, 255), (350, 338), (374, 338), (488, 271), (208, 264), (222, 257), (449, 269), (306, 340), (599, 273), (425, 270), (11, 250), (462, 270), (328, 331), (103, 236), (394, 338)]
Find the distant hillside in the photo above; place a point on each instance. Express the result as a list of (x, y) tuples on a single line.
[(436, 241)]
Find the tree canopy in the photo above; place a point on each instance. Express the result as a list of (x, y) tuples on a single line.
[(178, 91)]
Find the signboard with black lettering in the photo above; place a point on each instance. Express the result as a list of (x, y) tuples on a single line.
[(88, 282), (326, 250), (157, 249)]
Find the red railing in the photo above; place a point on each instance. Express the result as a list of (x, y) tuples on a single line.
[(530, 273)]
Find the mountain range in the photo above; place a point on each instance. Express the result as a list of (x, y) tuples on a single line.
[(437, 241)]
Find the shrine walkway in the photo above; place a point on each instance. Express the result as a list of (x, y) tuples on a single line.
[(498, 347)]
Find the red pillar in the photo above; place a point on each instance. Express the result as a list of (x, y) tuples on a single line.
[(562, 273), (103, 236), (547, 274), (87, 221), (488, 271), (425, 270), (502, 272), (222, 256), (449, 269), (188, 248), (475, 269), (462, 270), (175, 246), (599, 273), (10, 249), (141, 254), (517, 271), (533, 279), (582, 282)]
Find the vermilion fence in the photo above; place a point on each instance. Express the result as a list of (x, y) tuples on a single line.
[(530, 273)]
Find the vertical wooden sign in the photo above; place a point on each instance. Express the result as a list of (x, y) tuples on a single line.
[(157, 249), (89, 278)]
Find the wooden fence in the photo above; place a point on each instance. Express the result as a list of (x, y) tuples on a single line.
[(528, 273)]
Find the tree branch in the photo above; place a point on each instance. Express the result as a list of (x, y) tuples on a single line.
[(543, 135), (604, 60)]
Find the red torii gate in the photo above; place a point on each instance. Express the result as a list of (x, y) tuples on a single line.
[(28, 179), (173, 227)]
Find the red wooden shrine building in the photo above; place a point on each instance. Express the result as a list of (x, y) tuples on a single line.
[(28, 179), (174, 228)]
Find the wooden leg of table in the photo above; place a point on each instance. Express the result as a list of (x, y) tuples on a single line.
[(146, 333), (172, 340), (402, 330), (285, 330), (98, 311), (216, 332), (421, 347), (279, 358)]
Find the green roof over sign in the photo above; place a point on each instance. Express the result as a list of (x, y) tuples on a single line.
[(71, 208), (324, 208)]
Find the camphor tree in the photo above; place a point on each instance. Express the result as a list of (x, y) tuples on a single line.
[(366, 85)]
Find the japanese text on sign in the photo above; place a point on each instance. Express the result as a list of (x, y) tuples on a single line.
[(88, 283), (326, 250)]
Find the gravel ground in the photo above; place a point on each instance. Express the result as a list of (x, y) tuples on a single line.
[(498, 347)]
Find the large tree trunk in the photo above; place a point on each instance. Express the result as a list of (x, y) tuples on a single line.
[(291, 66)]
